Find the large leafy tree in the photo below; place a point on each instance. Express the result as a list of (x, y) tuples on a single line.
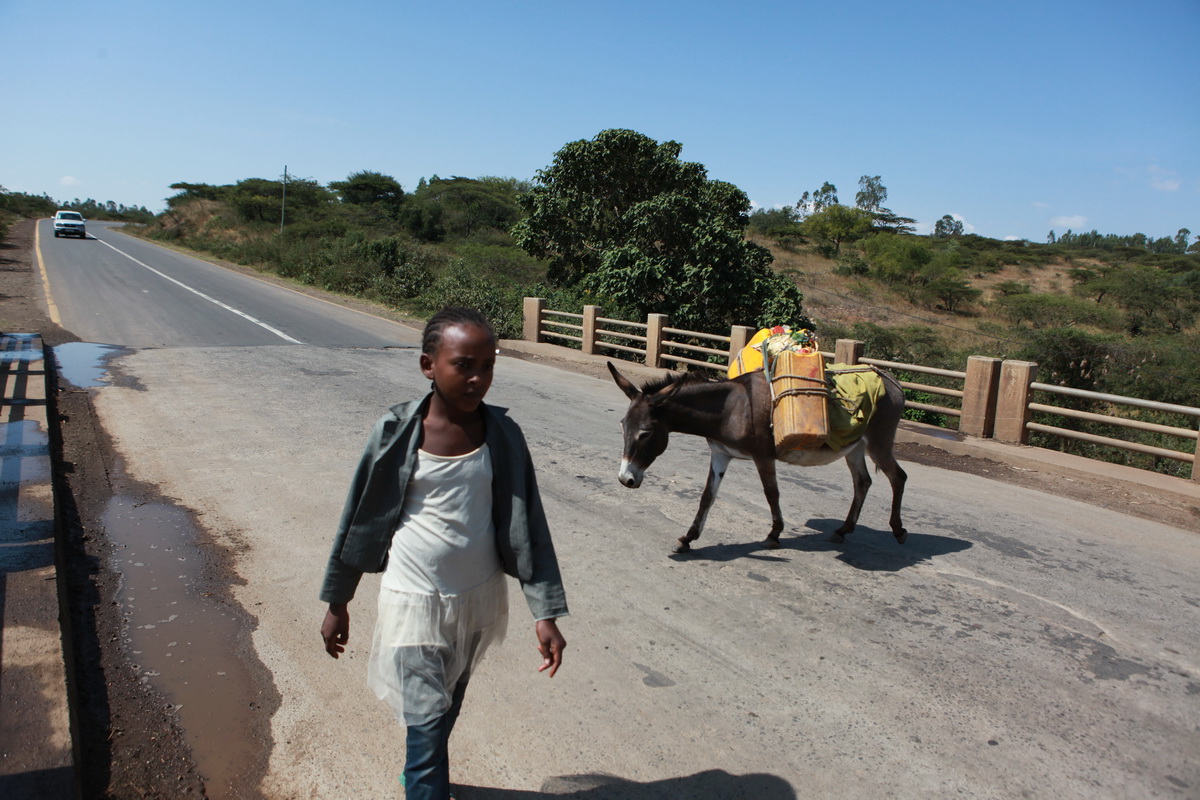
[(836, 224), (621, 216), (948, 226), (872, 194), (367, 187), (818, 201)]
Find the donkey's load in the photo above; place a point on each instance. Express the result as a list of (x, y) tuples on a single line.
[(813, 406), (800, 417)]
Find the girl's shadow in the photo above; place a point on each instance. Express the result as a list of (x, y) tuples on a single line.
[(709, 785)]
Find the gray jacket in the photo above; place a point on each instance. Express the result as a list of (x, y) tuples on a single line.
[(372, 510)]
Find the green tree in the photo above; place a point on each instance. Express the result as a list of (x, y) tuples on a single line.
[(367, 187), (1055, 311), (818, 201), (1181, 240), (944, 285), (836, 224), (466, 206), (621, 216), (946, 227), (887, 221), (897, 259), (872, 194)]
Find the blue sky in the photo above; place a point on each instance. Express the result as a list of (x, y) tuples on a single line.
[(1017, 117)]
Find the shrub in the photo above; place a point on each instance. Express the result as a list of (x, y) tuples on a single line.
[(1054, 311), (461, 286), (896, 259), (849, 264)]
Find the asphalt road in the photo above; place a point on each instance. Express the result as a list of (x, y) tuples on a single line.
[(1019, 644), (116, 289)]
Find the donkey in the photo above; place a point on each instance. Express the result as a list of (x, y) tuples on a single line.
[(734, 416)]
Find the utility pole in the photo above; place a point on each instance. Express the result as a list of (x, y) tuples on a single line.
[(283, 203)]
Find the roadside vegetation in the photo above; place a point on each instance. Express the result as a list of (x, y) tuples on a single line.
[(621, 222)]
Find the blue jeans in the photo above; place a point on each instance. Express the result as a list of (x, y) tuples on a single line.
[(427, 753)]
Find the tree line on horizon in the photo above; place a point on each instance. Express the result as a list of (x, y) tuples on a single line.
[(21, 204)]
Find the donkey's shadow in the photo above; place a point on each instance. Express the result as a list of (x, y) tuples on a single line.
[(866, 549), (874, 550)]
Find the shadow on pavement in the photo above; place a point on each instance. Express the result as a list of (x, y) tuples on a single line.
[(874, 550), (709, 785), (866, 549)]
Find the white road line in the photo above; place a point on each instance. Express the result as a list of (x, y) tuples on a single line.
[(212, 300)]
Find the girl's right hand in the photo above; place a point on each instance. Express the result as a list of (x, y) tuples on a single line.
[(335, 630)]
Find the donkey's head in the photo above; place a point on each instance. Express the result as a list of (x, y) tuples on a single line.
[(644, 425)]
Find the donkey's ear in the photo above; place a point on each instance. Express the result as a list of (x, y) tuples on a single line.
[(631, 391)]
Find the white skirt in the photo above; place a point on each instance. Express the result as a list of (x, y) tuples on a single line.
[(425, 645)]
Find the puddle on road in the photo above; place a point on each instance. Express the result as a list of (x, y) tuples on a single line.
[(182, 640), (84, 364)]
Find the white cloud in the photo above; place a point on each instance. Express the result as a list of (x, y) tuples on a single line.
[(1037, 204), (1013, 238), (1163, 180), (1072, 222), (68, 180)]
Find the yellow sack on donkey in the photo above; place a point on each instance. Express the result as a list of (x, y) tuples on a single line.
[(855, 393), (750, 357), (782, 337)]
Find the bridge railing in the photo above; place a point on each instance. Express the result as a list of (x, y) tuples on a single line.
[(991, 398)]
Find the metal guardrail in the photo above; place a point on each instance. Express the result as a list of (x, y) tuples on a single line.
[(995, 399)]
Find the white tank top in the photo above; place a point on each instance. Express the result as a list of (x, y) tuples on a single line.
[(445, 542)]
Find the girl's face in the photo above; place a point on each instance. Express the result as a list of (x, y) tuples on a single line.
[(461, 368)]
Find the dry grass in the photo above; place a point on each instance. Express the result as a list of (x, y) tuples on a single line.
[(847, 300)]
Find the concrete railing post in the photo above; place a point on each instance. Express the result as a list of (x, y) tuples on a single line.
[(980, 389), (654, 336), (848, 351), (739, 337), (1012, 403), (531, 323), (1196, 462), (589, 329)]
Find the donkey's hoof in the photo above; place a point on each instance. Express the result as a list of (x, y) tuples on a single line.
[(837, 538), (771, 544), (682, 547), (901, 536)]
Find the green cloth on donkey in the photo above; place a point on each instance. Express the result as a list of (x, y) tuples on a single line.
[(853, 395)]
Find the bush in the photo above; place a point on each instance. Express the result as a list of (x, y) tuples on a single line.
[(849, 264), (506, 264), (460, 286), (1054, 311), (897, 259)]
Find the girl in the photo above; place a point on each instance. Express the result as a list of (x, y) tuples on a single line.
[(444, 502)]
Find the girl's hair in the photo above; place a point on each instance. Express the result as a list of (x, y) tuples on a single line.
[(448, 317)]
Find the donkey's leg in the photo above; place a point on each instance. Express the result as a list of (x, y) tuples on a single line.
[(885, 460), (862, 482), (770, 484), (718, 462)]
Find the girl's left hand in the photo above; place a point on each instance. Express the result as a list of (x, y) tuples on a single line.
[(550, 644)]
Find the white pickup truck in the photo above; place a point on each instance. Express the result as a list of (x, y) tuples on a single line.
[(69, 223)]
